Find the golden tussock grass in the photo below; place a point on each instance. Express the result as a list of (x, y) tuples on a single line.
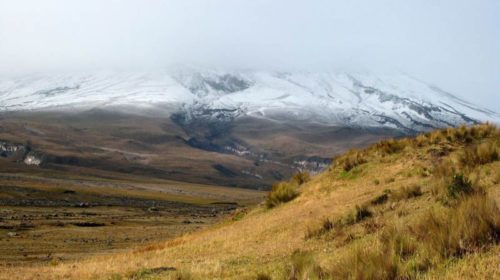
[(282, 192), (412, 233)]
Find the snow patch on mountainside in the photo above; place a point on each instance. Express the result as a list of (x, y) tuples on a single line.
[(354, 99)]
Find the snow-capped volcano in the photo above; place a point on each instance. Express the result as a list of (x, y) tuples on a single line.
[(351, 99)]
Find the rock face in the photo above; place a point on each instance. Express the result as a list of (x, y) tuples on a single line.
[(20, 153), (338, 99), (10, 149), (32, 159)]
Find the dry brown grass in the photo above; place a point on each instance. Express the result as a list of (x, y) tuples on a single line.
[(352, 159), (479, 154), (406, 192), (404, 252), (391, 146), (263, 242), (472, 225)]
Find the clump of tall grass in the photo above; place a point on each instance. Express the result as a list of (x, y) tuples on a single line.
[(391, 146), (479, 154), (304, 266), (459, 185), (281, 192), (286, 191), (352, 159), (359, 213), (462, 134), (404, 252), (406, 192), (326, 226), (381, 199), (365, 263), (301, 177), (450, 183), (471, 225)]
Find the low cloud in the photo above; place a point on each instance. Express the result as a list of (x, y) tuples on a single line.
[(453, 44)]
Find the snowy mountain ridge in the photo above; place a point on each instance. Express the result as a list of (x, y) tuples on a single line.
[(351, 99)]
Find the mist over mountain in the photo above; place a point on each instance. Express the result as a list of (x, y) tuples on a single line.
[(354, 99), (453, 44)]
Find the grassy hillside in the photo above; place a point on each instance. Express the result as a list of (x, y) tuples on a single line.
[(424, 207)]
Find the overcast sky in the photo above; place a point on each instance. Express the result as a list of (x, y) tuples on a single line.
[(454, 44)]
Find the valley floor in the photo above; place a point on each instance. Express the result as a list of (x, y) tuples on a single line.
[(48, 217)]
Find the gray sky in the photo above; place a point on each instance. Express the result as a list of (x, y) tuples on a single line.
[(452, 43)]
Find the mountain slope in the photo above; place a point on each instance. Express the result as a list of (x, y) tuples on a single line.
[(384, 212), (339, 99)]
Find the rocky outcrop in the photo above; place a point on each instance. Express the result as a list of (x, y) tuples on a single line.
[(21, 153), (8, 149), (33, 159)]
